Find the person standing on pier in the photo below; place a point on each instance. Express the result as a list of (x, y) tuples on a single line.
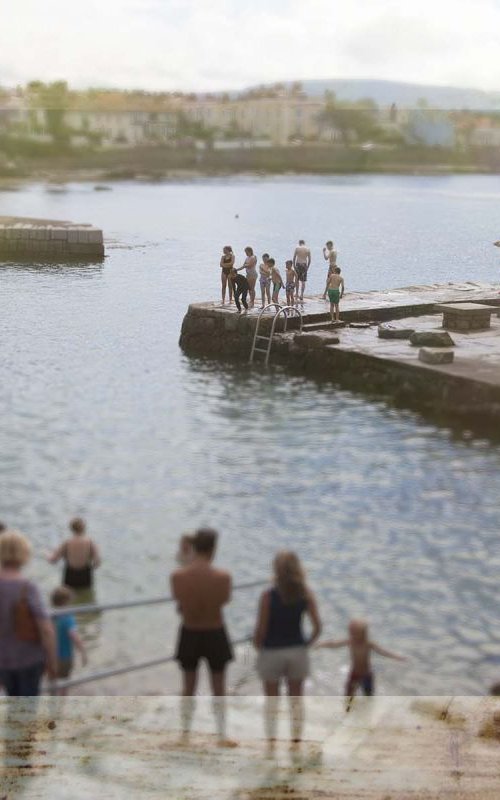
[(330, 255), (226, 265), (276, 279), (201, 591), (335, 289), (291, 277), (280, 641), (240, 289), (301, 264), (265, 279), (250, 265)]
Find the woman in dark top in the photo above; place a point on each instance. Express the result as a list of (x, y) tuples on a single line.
[(80, 555), (27, 639), (226, 265), (280, 640)]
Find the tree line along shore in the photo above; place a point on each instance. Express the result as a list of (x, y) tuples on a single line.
[(38, 162)]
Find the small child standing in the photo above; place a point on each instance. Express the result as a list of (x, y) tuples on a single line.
[(67, 636), (361, 649), (265, 279), (335, 289), (276, 279), (291, 279)]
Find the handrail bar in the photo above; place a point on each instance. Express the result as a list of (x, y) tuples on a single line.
[(95, 609), (281, 310), (110, 673)]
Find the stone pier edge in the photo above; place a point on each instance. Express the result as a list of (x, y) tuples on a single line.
[(222, 335)]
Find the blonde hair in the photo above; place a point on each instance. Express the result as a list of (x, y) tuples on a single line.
[(289, 576), (358, 628), (15, 550)]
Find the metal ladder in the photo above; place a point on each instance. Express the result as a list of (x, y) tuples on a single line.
[(269, 339)]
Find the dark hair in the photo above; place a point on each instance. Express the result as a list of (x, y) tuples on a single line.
[(289, 262), (249, 250), (271, 261), (3, 527), (62, 596), (77, 525), (204, 541), (337, 270), (329, 242), (495, 690), (265, 255), (301, 241), (227, 247)]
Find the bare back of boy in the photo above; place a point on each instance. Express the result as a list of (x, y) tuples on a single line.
[(201, 591), (335, 281)]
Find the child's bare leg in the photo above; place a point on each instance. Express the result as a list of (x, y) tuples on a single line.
[(332, 309), (337, 315)]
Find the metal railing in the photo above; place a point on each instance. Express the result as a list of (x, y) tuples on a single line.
[(156, 662), (288, 312)]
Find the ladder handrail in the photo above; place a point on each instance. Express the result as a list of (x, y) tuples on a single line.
[(281, 310), (261, 312)]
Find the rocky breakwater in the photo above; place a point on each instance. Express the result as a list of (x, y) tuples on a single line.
[(51, 240)]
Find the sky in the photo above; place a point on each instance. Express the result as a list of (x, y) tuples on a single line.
[(209, 45)]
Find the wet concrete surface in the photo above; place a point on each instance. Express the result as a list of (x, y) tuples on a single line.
[(387, 748)]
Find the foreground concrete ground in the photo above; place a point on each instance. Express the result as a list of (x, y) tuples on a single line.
[(119, 747)]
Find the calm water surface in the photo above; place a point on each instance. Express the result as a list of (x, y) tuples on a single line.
[(102, 415)]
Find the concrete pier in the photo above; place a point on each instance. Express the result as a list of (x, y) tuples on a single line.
[(359, 356), (52, 240)]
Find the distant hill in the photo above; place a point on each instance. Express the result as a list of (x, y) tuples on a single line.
[(405, 95)]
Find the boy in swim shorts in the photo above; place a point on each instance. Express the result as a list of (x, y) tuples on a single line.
[(277, 280), (291, 277), (335, 290), (265, 279), (361, 648)]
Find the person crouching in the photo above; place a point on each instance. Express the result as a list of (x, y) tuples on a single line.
[(240, 287)]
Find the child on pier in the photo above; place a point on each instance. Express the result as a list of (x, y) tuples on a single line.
[(291, 278), (335, 289), (276, 279), (67, 635), (361, 649), (265, 279)]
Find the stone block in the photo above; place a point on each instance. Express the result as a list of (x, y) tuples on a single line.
[(313, 341), (83, 236), (431, 339), (429, 356), (72, 235), (59, 234), (95, 236), (390, 332)]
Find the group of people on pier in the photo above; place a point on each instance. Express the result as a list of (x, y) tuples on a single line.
[(34, 641), (242, 287)]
